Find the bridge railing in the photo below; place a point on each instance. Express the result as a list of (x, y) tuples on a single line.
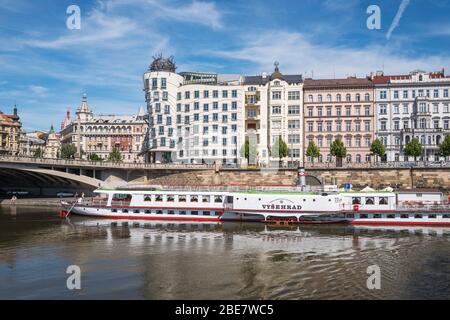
[(101, 164)]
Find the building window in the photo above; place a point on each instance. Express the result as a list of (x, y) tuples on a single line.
[(383, 94), (293, 95), (276, 95), (293, 109), (276, 110)]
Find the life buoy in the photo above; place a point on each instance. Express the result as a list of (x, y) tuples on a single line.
[(356, 207)]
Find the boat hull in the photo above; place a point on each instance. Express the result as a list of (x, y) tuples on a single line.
[(418, 218)]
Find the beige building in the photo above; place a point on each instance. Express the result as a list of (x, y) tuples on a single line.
[(100, 134), (10, 131), (340, 108), (52, 147)]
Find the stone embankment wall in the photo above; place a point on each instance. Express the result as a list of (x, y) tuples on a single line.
[(359, 177)]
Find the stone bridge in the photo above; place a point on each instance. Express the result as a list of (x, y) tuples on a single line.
[(46, 176)]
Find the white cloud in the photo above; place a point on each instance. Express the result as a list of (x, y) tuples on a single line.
[(297, 54), (398, 17), (38, 90), (96, 27), (197, 12)]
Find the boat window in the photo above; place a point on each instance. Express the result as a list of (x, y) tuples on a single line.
[(383, 201), (432, 216), (125, 210), (356, 200), (183, 213), (136, 211), (158, 198), (170, 198), (194, 213), (194, 198), (304, 200), (113, 210), (120, 196), (206, 199), (147, 197), (182, 198), (404, 216), (363, 216), (370, 200), (206, 213), (171, 212), (377, 216), (350, 215), (229, 199), (418, 216), (159, 212), (147, 211), (216, 213), (218, 199), (446, 216), (391, 216)]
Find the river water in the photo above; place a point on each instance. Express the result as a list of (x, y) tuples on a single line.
[(150, 260)]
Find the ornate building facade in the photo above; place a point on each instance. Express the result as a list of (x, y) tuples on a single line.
[(10, 133), (100, 134), (206, 117), (415, 105), (340, 108), (52, 147)]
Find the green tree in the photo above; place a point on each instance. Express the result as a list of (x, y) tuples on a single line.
[(413, 148), (377, 148), (249, 151), (94, 157), (115, 155), (68, 151), (444, 147), (312, 151), (38, 153), (338, 150), (279, 149)]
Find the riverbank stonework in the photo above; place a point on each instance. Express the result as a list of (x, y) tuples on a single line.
[(359, 177)]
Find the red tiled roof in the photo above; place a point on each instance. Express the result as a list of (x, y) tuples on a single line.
[(337, 82)]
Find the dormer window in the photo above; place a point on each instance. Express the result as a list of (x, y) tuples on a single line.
[(420, 78), (276, 83)]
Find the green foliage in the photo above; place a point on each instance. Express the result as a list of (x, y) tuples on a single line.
[(377, 148), (313, 150), (115, 155), (249, 151), (68, 151), (94, 157), (279, 149), (38, 153), (338, 149), (444, 147), (413, 148)]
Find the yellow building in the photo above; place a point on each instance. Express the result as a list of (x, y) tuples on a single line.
[(10, 128), (52, 145)]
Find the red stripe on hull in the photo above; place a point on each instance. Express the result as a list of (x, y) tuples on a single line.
[(400, 223), (165, 218)]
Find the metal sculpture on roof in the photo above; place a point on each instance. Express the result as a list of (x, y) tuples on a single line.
[(163, 64)]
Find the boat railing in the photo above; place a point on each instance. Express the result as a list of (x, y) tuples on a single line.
[(426, 207), (244, 188)]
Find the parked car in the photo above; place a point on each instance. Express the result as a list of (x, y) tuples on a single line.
[(63, 194), (18, 193)]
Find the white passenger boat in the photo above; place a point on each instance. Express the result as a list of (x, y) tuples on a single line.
[(366, 208)]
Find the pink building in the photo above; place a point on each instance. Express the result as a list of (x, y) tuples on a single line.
[(340, 108)]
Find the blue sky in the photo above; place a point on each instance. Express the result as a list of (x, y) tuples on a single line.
[(45, 68)]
